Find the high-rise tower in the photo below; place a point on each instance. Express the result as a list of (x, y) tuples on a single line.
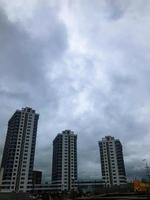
[(64, 168), (18, 155), (112, 163)]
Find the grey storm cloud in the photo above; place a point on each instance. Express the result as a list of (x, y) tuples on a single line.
[(83, 66), (22, 55)]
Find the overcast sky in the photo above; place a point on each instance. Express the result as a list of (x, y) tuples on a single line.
[(83, 65)]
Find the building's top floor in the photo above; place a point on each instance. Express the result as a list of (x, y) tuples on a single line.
[(28, 110), (17, 113), (37, 172), (65, 133), (108, 138), (68, 132)]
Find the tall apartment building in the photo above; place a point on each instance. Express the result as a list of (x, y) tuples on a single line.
[(18, 155), (112, 162), (64, 167)]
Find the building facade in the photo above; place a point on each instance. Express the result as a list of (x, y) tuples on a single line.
[(112, 162), (64, 167), (18, 155), (37, 177)]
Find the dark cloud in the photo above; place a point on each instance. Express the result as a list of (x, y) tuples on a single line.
[(116, 9), (22, 57)]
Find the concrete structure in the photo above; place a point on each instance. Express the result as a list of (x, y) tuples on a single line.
[(112, 163), (64, 168), (37, 177), (18, 155)]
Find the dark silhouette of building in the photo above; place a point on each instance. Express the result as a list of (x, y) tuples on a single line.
[(64, 168), (18, 155), (37, 177)]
